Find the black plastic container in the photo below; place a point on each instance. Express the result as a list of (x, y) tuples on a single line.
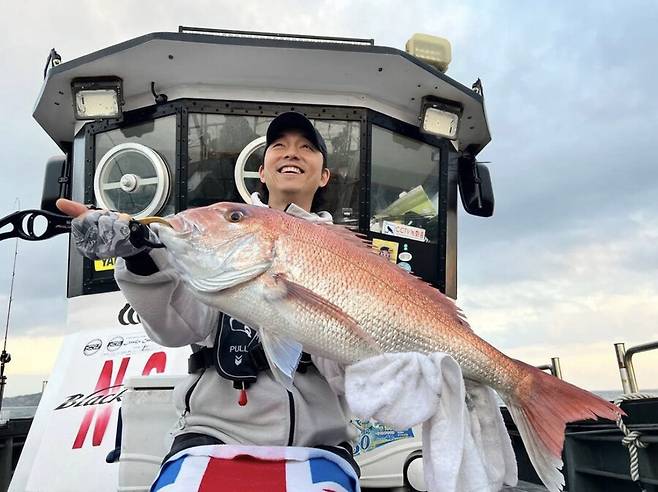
[(594, 458)]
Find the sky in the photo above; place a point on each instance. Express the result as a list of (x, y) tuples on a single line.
[(568, 264)]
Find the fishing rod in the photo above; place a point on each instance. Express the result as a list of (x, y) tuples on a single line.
[(5, 357)]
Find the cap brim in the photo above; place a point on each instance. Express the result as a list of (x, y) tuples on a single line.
[(292, 121)]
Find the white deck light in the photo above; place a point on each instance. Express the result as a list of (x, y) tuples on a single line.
[(97, 98), (439, 117)]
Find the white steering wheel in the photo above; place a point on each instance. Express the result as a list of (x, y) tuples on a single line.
[(128, 162), (240, 174)]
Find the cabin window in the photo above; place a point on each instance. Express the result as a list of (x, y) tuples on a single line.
[(404, 187), (215, 142), (135, 166)]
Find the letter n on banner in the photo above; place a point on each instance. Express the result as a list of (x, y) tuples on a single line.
[(103, 414)]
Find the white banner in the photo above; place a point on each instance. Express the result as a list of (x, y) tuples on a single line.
[(74, 428)]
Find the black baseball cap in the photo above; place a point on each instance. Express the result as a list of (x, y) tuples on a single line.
[(292, 120)]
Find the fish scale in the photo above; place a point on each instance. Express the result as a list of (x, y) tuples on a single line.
[(376, 302)]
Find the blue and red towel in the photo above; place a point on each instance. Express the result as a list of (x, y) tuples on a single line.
[(229, 468)]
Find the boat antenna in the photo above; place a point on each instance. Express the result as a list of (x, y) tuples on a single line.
[(5, 357)]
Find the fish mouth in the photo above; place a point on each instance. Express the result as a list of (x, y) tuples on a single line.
[(177, 237)]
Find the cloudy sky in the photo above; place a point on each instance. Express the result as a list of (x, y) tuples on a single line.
[(566, 267)]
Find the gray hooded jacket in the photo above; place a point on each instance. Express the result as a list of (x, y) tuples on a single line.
[(312, 414)]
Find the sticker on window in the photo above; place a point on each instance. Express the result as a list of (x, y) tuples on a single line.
[(401, 230), (104, 264), (387, 249)]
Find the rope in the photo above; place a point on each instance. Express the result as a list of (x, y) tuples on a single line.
[(631, 439)]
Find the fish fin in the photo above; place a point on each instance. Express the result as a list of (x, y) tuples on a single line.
[(318, 303), (541, 406), (351, 235), (283, 355), (364, 244)]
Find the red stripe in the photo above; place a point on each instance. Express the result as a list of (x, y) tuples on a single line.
[(244, 474)]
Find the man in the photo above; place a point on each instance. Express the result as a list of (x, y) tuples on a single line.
[(230, 396)]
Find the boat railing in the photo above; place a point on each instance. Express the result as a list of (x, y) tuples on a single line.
[(554, 367), (275, 35), (625, 362)]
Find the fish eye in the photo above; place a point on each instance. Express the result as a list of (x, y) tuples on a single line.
[(235, 216)]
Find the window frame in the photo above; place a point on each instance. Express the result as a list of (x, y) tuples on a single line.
[(181, 109), (444, 238)]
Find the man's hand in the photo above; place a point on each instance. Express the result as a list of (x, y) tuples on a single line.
[(71, 208), (99, 233)]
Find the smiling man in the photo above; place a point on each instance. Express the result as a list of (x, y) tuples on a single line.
[(294, 164)]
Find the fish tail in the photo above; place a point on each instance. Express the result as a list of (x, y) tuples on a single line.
[(541, 406)]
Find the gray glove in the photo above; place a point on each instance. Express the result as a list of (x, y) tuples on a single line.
[(103, 234)]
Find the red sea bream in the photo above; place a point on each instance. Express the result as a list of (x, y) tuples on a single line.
[(321, 288)]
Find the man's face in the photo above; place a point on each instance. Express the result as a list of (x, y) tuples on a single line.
[(292, 165)]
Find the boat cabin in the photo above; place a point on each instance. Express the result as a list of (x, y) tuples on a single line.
[(172, 120)]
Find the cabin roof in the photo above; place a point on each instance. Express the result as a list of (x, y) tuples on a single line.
[(262, 69)]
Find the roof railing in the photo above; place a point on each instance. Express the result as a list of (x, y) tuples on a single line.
[(625, 362), (275, 35)]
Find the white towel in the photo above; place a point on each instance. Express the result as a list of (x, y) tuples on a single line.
[(465, 445)]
